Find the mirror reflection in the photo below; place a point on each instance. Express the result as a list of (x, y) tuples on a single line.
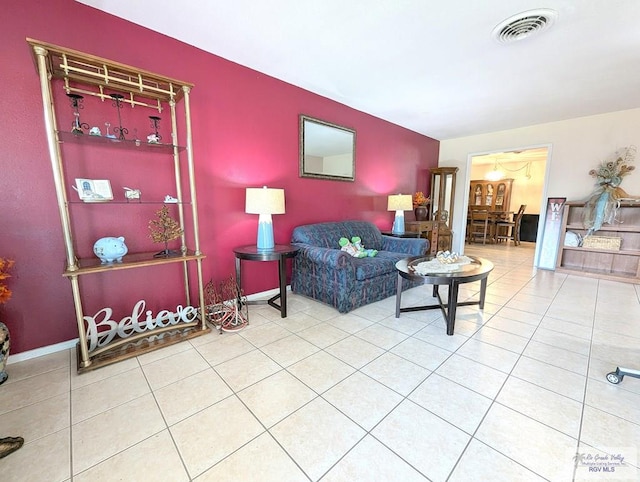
[(327, 151)]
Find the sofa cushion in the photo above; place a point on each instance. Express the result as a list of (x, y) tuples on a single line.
[(327, 235), (371, 267), (383, 263)]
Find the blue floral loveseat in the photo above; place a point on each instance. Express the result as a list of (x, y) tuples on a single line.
[(325, 273)]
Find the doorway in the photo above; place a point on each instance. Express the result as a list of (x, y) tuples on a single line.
[(527, 167)]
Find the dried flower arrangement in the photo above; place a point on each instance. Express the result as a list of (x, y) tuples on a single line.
[(610, 173), (419, 199), (5, 267), (601, 207)]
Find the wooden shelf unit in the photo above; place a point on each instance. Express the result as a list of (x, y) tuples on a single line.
[(88, 75), (611, 264)]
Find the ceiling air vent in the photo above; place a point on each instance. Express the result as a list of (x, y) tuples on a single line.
[(524, 25)]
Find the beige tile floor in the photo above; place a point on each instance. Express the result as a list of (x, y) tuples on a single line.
[(513, 395)]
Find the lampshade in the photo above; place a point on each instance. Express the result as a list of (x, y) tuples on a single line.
[(399, 203), (402, 202), (265, 202)]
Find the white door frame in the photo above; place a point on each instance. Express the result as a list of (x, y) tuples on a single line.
[(543, 201)]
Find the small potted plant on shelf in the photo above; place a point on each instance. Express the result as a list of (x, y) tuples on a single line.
[(421, 206), (164, 229)]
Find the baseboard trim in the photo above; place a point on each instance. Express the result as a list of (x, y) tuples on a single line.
[(45, 350), (65, 345), (263, 294)]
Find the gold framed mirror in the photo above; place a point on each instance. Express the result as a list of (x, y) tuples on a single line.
[(327, 151)]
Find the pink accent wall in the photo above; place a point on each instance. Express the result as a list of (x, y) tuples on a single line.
[(245, 131)]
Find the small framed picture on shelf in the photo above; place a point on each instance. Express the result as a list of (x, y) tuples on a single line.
[(94, 190)]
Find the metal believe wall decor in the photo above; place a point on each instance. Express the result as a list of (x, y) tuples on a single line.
[(101, 329)]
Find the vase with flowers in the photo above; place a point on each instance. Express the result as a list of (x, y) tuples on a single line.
[(5, 294), (421, 206), (603, 203)]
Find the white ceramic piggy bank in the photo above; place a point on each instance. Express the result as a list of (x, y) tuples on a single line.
[(110, 249)]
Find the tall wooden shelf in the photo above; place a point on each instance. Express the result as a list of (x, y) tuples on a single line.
[(438, 229), (95, 77), (443, 190), (613, 264)]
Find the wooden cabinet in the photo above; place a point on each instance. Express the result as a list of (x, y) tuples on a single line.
[(66, 77), (612, 252), (438, 229), (438, 234), (494, 194)]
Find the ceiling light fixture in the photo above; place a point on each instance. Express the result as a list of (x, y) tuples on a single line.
[(523, 25), (496, 174)]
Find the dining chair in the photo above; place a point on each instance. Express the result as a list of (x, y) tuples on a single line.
[(478, 225), (511, 229)]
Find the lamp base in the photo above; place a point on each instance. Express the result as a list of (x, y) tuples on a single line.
[(398, 223), (265, 240)]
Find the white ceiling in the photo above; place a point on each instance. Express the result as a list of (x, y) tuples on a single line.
[(428, 65)]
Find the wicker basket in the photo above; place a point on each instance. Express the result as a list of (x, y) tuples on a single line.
[(602, 242)]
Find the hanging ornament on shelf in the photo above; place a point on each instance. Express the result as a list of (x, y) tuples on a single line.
[(117, 102), (77, 127)]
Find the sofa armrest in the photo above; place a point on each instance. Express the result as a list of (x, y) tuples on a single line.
[(411, 246), (328, 257)]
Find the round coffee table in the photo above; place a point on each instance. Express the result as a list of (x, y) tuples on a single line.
[(477, 270)]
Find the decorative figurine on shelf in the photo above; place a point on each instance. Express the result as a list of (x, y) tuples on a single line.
[(109, 134), (154, 137), (132, 194), (77, 127), (110, 249), (117, 103), (489, 198), (95, 131), (163, 230), (478, 195), (168, 199)]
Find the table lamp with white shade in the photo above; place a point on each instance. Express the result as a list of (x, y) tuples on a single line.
[(265, 202), (399, 203)]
